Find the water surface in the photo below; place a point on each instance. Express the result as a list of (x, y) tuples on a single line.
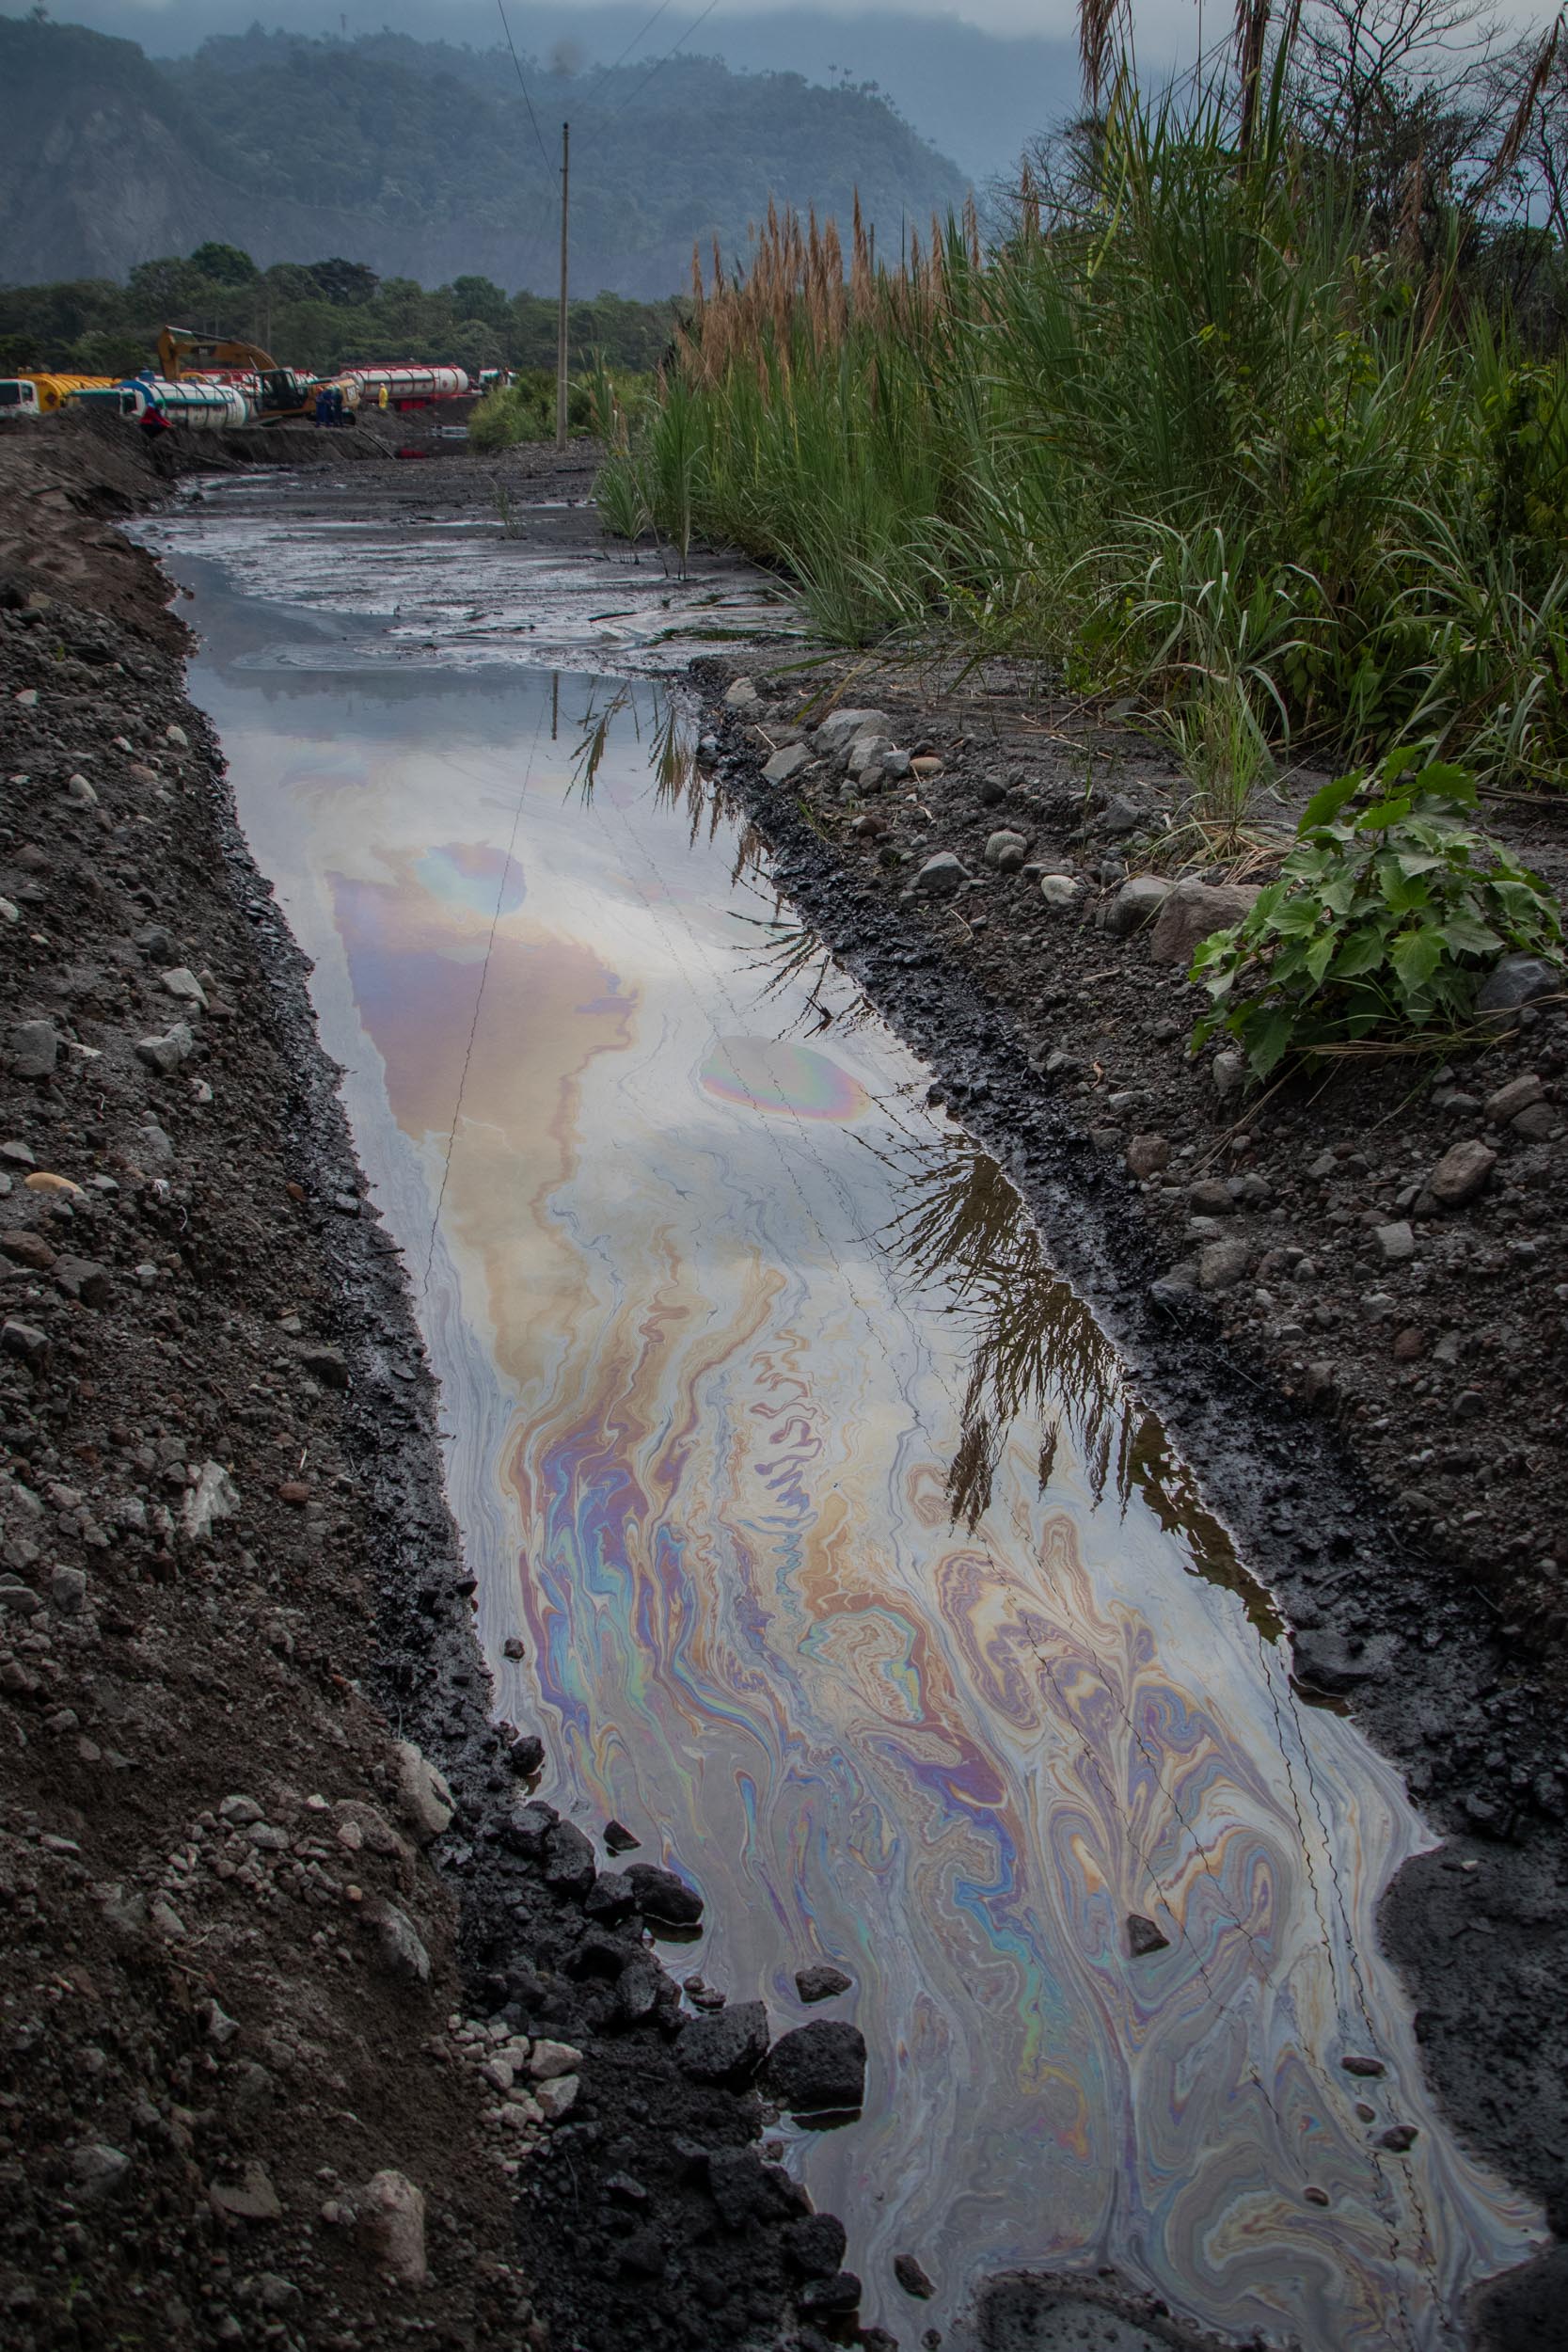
[(848, 1574)]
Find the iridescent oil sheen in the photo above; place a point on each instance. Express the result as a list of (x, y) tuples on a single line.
[(847, 1574)]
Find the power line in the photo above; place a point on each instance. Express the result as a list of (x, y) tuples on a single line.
[(662, 62), (523, 86)]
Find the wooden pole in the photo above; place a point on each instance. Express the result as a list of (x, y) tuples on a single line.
[(560, 315)]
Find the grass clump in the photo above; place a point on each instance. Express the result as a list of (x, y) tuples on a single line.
[(1382, 922), (1203, 425)]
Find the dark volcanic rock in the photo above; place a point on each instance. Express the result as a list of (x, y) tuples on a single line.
[(726, 2047), (815, 2245), (821, 1982), (818, 2068), (660, 1894)]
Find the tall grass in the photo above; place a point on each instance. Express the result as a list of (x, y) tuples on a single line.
[(1194, 435)]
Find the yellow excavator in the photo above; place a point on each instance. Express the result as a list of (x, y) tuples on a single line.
[(283, 396)]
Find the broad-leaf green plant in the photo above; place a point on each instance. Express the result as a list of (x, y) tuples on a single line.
[(1384, 919)]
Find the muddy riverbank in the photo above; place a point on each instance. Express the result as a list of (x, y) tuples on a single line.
[(696, 2259), (286, 2019)]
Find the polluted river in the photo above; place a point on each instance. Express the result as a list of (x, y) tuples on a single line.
[(814, 1528)]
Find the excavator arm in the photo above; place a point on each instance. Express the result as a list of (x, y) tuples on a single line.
[(284, 395)]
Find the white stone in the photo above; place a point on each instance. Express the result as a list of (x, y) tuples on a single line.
[(558, 2097), (551, 2059)]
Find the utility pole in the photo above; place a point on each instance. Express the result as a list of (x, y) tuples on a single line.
[(560, 315)]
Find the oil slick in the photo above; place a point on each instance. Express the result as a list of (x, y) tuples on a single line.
[(846, 1573)]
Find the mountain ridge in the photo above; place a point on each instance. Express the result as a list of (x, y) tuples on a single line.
[(289, 147)]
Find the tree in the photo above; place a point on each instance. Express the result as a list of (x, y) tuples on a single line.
[(479, 298), (226, 264), (345, 281)]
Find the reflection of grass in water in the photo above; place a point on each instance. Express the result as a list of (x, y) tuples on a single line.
[(792, 952), (1037, 1350)]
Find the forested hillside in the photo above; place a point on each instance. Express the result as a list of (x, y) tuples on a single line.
[(420, 159)]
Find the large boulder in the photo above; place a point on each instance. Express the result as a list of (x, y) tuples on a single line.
[(1191, 913), (660, 1894), (818, 2068)]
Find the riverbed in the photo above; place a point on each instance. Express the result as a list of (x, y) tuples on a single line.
[(844, 1566)]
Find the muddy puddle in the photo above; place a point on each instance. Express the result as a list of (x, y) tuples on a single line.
[(845, 1570)]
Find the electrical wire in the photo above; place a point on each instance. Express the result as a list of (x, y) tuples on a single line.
[(527, 101), (662, 61)]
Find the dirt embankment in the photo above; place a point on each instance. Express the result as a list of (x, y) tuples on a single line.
[(301, 2042), (1367, 1369)]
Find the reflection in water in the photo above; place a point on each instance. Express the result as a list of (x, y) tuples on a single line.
[(691, 1257)]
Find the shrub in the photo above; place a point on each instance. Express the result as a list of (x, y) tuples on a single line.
[(1383, 921)]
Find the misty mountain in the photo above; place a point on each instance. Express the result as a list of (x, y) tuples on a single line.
[(976, 96), (421, 159)]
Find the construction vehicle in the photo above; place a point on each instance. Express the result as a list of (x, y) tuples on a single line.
[(36, 394), (278, 395)]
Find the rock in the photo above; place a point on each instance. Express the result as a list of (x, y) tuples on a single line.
[(941, 876), (568, 1859), (1060, 891), (1369, 2068), (913, 2278), (16, 1154), (152, 1146), (660, 1894), (1006, 850), (727, 2046), (27, 1248), (833, 2298), (239, 1812), (178, 738), (1318, 1381), (609, 1900), (1209, 1197), (400, 1946), (67, 1590), (1143, 1937), (1136, 904), (821, 1982), (214, 1497), (740, 694), (1191, 913), (98, 2171), (79, 791), (1147, 1155), (865, 756), (24, 1340), (1514, 982), (1410, 1344), (514, 1646), (546, 2059), (786, 764), (1336, 1662), (252, 2198), (391, 2225), (840, 725), (528, 1826), (1461, 1173), (46, 1180), (181, 982), (527, 1755), (818, 2068), (32, 1049), (86, 1279), (1516, 1096), (1120, 815), (1536, 1122), (1221, 1265), (1396, 1243), (815, 2245), (426, 1799), (1398, 2138), (327, 1364), (558, 2096), (1229, 1073), (167, 1054), (619, 1838)]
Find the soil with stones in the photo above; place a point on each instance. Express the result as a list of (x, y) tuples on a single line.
[(315, 2029), (1346, 1296)]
